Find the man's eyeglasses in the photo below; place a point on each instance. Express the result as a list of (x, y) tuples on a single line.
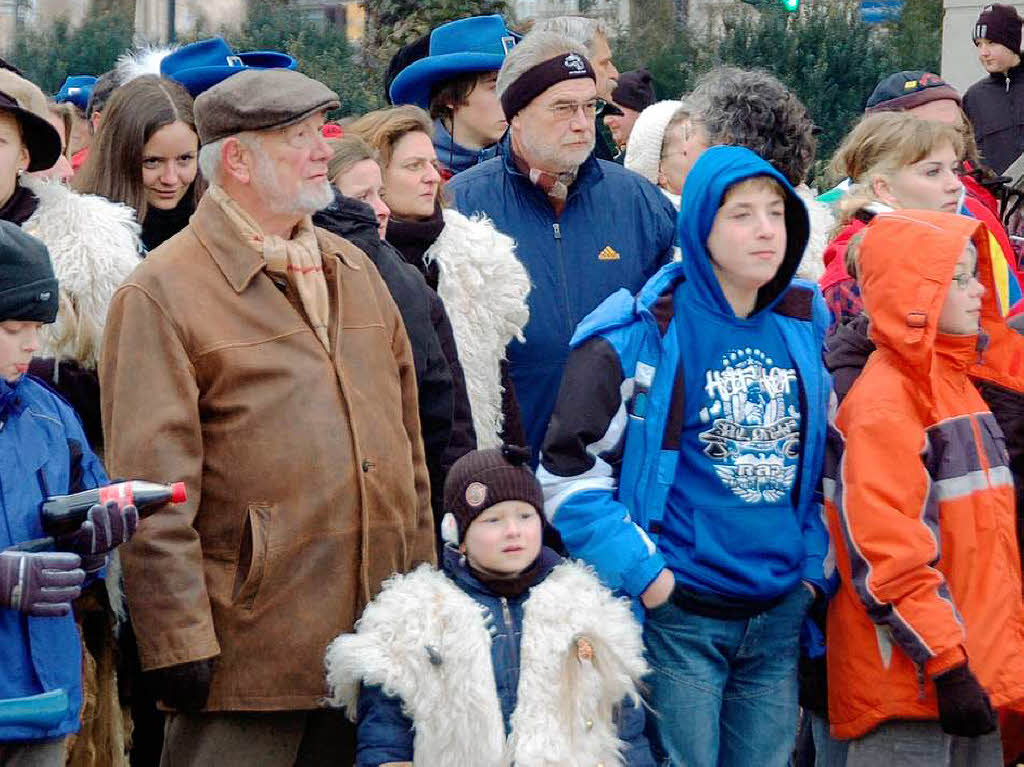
[(564, 110)]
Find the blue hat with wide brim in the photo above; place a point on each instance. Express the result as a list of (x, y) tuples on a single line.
[(199, 66), (76, 89), (476, 44)]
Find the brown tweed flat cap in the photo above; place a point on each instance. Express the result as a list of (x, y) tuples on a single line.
[(259, 99)]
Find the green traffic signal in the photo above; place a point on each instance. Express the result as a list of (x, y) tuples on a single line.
[(791, 5)]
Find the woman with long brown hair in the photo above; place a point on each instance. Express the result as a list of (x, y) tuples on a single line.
[(145, 156)]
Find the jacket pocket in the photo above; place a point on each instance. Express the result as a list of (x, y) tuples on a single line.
[(252, 556)]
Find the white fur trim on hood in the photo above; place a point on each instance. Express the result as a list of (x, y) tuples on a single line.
[(142, 61), (484, 289), (643, 150), (94, 246)]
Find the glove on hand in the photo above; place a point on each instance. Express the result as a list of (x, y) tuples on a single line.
[(964, 707), (184, 687), (40, 583), (104, 529)]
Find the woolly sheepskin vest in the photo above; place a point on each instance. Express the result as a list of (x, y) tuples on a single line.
[(94, 246), (563, 711), (812, 265), (484, 290)]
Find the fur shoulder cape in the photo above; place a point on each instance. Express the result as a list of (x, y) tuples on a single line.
[(484, 289), (94, 246), (563, 714)]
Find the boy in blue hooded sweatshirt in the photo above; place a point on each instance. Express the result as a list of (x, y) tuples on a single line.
[(684, 458)]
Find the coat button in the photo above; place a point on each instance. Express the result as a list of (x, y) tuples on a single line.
[(367, 465), (590, 725)]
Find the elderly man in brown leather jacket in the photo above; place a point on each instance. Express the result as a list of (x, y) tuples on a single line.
[(263, 362)]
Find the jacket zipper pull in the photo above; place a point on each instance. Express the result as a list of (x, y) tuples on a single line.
[(505, 612), (558, 231)]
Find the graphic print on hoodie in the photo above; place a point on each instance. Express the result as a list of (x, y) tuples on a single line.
[(731, 527)]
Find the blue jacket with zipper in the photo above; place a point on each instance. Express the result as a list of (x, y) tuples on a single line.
[(43, 451), (616, 230), (612, 451)]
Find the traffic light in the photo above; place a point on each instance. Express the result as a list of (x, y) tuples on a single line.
[(789, 6)]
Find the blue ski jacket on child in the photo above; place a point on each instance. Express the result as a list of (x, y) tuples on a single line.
[(43, 451)]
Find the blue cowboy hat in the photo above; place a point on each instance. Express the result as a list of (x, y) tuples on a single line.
[(199, 66), (76, 89), (476, 44)]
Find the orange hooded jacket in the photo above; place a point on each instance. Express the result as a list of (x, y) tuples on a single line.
[(918, 489)]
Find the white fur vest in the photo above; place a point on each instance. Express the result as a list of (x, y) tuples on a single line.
[(812, 265), (484, 289), (94, 246), (563, 710)]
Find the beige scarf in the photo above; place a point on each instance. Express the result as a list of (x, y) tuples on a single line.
[(297, 259)]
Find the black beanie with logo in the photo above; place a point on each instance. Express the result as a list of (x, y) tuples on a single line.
[(28, 288), (999, 24)]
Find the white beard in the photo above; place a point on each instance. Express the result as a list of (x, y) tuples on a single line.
[(311, 197)]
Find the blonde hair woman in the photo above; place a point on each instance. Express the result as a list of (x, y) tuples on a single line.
[(471, 265), (894, 161)]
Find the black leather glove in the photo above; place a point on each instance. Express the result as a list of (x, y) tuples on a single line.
[(104, 529), (813, 675), (184, 687), (964, 707)]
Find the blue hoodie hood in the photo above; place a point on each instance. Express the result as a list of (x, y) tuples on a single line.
[(714, 172), (456, 157)]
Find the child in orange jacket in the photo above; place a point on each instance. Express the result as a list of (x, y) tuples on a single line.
[(926, 633)]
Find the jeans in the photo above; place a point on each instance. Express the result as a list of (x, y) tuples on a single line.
[(724, 692), (909, 744)]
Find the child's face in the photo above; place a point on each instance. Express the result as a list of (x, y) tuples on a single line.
[(961, 311), (747, 241), (19, 340), (505, 539)]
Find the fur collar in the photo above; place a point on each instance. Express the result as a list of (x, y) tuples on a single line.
[(484, 289), (563, 715), (812, 265), (94, 246)]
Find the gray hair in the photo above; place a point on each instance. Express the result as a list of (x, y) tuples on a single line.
[(535, 48), (751, 108), (210, 154), (579, 29)]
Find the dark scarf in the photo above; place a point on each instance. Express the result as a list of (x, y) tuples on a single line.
[(414, 238), (160, 225), (20, 207), (511, 587)]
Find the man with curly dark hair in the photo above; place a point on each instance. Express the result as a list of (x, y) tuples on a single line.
[(751, 108)]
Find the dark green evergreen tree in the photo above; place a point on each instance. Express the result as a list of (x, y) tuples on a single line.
[(826, 54), (49, 55), (916, 38)]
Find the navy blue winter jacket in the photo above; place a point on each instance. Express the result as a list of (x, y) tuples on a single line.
[(43, 451), (386, 734), (617, 229)]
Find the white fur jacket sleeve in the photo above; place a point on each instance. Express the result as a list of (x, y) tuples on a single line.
[(94, 246)]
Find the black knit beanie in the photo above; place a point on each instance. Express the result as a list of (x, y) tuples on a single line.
[(28, 289), (483, 478), (635, 90), (999, 24)]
